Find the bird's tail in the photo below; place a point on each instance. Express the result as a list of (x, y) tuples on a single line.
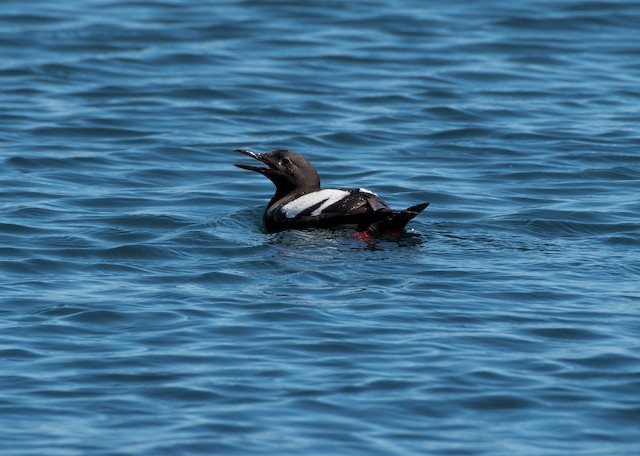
[(395, 222)]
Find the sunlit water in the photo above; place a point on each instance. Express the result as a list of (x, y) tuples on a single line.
[(145, 312)]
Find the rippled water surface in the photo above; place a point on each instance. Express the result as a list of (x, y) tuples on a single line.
[(144, 311)]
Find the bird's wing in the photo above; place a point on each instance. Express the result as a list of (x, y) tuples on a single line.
[(357, 207)]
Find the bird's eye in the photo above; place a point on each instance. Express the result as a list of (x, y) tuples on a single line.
[(285, 161)]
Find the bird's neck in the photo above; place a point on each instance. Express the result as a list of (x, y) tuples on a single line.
[(288, 193)]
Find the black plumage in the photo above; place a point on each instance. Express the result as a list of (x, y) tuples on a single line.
[(300, 203)]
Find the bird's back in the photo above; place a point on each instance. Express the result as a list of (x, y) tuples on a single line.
[(328, 208)]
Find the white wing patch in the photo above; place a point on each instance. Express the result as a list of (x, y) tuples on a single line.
[(364, 190), (327, 197)]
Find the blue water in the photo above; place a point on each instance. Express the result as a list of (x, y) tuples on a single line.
[(145, 312)]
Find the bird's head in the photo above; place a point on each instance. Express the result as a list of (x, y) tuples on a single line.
[(290, 172)]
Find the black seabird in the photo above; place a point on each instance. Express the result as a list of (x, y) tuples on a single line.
[(300, 203)]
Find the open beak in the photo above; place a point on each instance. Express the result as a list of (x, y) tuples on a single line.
[(255, 155)]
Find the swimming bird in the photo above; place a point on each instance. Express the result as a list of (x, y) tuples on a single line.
[(300, 203)]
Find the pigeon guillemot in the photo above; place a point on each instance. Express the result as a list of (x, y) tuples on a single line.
[(300, 203)]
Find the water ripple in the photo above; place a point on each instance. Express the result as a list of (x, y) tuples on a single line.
[(146, 311)]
